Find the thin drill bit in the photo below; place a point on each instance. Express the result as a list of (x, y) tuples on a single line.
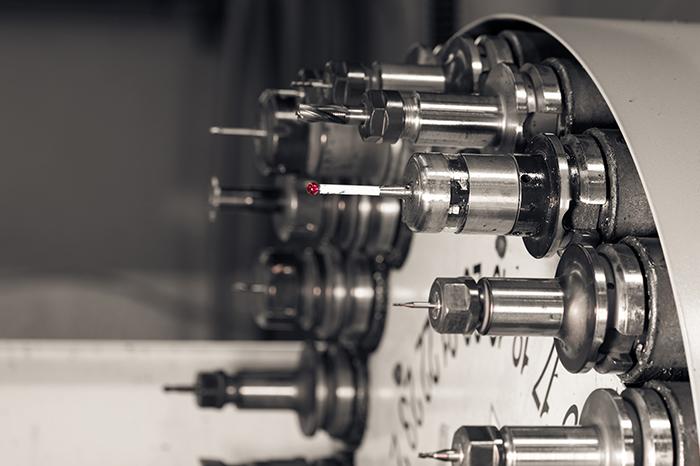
[(442, 455), (256, 133), (179, 388), (417, 305), (312, 83)]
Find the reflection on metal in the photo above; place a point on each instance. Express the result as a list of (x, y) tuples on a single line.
[(426, 374), (636, 427), (608, 309), (616, 55)]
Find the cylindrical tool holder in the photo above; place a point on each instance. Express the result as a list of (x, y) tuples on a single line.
[(521, 306)]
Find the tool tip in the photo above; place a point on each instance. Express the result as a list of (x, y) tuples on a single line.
[(171, 388), (442, 455), (419, 305), (312, 188), (214, 130)]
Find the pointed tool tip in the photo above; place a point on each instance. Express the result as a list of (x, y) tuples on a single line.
[(442, 455), (169, 388), (418, 305)]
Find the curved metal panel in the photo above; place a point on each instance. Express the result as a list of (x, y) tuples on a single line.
[(648, 73)]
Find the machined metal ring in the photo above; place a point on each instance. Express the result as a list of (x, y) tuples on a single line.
[(584, 327), (551, 238)]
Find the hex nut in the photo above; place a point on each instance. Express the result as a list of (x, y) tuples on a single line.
[(336, 73), (459, 307), (211, 388), (378, 122), (385, 111), (479, 445)]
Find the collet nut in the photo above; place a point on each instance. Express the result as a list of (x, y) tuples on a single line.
[(385, 116), (479, 445), (458, 308)]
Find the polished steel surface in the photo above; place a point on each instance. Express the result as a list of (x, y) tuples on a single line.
[(551, 235), (464, 193), (451, 120), (492, 193), (550, 446), (615, 422), (595, 308), (658, 352), (662, 125), (429, 178), (655, 426), (631, 429), (425, 78), (678, 399), (522, 306), (514, 105), (561, 190)]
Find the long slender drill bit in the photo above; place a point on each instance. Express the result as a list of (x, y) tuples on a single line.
[(417, 305), (256, 133), (178, 388), (312, 83)]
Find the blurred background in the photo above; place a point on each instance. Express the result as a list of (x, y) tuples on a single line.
[(106, 153)]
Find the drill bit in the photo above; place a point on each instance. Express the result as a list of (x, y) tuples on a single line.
[(442, 455), (359, 190), (417, 305), (256, 133), (322, 113), (317, 83), (331, 114), (179, 388)]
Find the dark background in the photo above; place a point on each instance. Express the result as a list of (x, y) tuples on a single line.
[(106, 156)]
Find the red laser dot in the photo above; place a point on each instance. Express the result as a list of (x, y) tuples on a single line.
[(312, 188)]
